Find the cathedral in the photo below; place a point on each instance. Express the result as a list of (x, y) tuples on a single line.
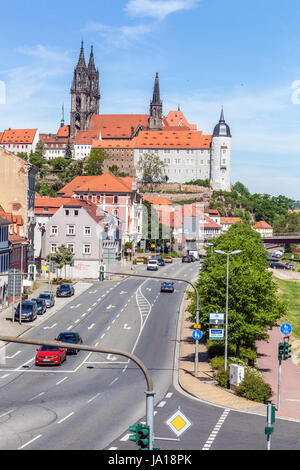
[(186, 152)]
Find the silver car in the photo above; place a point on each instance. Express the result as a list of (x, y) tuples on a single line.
[(48, 297)]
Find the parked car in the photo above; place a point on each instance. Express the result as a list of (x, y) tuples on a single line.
[(167, 286), (276, 265), (152, 265), (192, 257), (29, 311), (48, 297), (41, 306), (168, 259), (186, 259), (50, 355), (70, 337), (65, 290), (290, 266), (160, 261)]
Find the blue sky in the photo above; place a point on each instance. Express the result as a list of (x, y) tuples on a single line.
[(239, 54)]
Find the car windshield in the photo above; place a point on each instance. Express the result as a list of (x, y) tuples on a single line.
[(152, 262), (45, 296), (49, 348), (39, 301), (66, 337), (26, 308), (64, 287)]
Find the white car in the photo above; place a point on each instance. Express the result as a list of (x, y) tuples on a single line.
[(152, 265)]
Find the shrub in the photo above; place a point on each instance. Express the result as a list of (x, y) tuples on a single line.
[(217, 362), (223, 378), (254, 388)]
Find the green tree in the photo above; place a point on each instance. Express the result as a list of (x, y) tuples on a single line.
[(61, 257), (93, 165), (59, 164), (253, 303), (68, 151), (151, 168), (40, 149)]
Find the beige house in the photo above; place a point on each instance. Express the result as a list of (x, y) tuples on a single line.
[(17, 192), (263, 228), (226, 222)]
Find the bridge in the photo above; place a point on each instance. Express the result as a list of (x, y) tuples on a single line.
[(282, 238)]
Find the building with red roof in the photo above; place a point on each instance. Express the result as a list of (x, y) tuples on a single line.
[(263, 228), (19, 140)]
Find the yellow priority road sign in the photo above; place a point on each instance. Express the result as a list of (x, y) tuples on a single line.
[(178, 423), (197, 326)]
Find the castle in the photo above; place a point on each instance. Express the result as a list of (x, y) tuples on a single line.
[(187, 153)]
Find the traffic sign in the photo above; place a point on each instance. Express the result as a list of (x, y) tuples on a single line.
[(285, 329), (178, 423), (197, 334), (216, 333)]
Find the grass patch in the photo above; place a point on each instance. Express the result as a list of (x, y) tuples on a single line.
[(290, 293)]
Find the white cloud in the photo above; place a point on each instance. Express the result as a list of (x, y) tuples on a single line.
[(158, 9), (119, 36)]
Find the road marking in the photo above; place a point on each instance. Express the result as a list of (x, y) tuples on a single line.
[(93, 398), (169, 395), (75, 306), (94, 304), (4, 376), (66, 417), (113, 321), (7, 413), (108, 328), (93, 291), (216, 429), (161, 404), (110, 357), (29, 442), (36, 396), (102, 336), (25, 363), (14, 355), (49, 327), (117, 378), (70, 327), (123, 292), (91, 326), (125, 438), (112, 448), (126, 327), (62, 380), (78, 320), (83, 315), (110, 306)]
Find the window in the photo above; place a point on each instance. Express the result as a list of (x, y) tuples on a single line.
[(86, 249), (115, 199), (72, 246), (70, 229), (76, 212), (87, 231), (67, 212), (54, 230), (53, 248)]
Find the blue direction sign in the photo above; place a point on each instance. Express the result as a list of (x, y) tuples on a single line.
[(285, 329), (197, 334)]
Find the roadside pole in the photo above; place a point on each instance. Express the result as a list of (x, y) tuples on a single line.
[(82, 347)]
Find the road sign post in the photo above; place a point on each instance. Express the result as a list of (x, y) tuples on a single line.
[(284, 349)]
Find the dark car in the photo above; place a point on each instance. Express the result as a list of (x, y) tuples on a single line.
[(41, 306), (186, 259), (48, 297), (65, 290), (192, 257), (167, 286), (276, 265), (290, 266), (70, 337), (160, 261), (29, 311)]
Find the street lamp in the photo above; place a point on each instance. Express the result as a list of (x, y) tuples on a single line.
[(226, 314)]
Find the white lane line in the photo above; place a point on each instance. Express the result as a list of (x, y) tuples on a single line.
[(70, 327), (169, 395), (62, 380), (94, 304), (78, 320), (14, 355), (102, 336), (113, 448), (36, 396), (83, 315), (108, 328), (113, 321), (125, 438), (25, 363), (161, 404), (49, 327), (93, 398), (216, 429), (91, 326), (66, 417), (4, 376), (117, 378), (29, 442), (89, 309)]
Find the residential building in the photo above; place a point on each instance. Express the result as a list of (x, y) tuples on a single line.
[(17, 197), (83, 143), (56, 144), (19, 140), (119, 152), (227, 222), (115, 195), (83, 227), (4, 262)]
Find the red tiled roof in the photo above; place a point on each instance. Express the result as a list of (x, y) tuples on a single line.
[(63, 131), (15, 239), (113, 143), (119, 126), (107, 183), (86, 137), (177, 119), (158, 200), (50, 203), (18, 136), (262, 224), (172, 139), (229, 220)]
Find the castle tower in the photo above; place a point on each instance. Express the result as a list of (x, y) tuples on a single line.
[(156, 108), (220, 160), (85, 96)]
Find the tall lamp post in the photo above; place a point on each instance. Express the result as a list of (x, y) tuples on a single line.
[(226, 314)]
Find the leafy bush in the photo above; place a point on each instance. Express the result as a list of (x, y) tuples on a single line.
[(254, 388), (217, 362)]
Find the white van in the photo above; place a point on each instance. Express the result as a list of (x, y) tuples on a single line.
[(152, 265)]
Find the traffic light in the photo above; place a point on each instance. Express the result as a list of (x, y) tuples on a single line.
[(141, 436), (286, 351), (280, 350)]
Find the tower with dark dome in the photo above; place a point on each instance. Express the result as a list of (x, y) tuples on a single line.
[(220, 160)]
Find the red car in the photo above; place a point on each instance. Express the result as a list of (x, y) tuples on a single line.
[(50, 355)]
